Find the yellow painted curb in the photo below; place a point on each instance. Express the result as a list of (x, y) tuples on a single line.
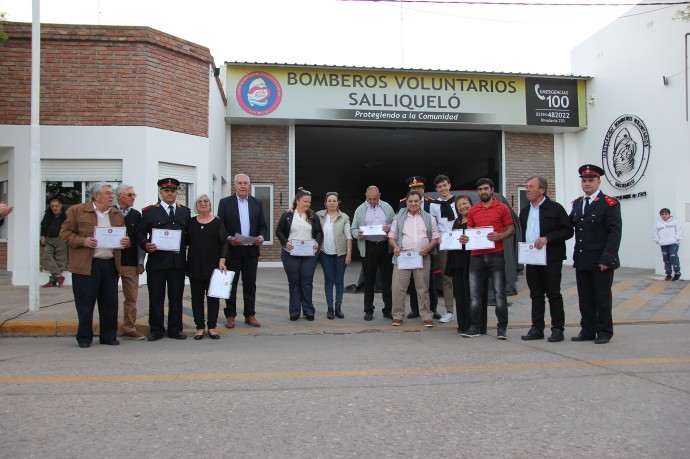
[(29, 328)]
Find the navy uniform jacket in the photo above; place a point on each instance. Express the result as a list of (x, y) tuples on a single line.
[(554, 223), (229, 214), (597, 233), (156, 216)]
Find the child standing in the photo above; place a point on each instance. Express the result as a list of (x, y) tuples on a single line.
[(668, 234)]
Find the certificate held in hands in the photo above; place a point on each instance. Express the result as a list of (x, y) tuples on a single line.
[(108, 237), (528, 254), (451, 240), (166, 239), (221, 284), (479, 238), (410, 260), (302, 248), (372, 230)]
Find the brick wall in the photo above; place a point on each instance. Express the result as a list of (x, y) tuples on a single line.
[(107, 76), (262, 152), (527, 155)]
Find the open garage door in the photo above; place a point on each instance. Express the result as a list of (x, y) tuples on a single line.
[(347, 160)]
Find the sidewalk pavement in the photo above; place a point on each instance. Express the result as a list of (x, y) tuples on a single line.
[(639, 296)]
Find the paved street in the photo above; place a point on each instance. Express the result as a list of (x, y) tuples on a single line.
[(414, 393)]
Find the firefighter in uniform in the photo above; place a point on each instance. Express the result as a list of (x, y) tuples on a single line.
[(165, 267), (596, 219)]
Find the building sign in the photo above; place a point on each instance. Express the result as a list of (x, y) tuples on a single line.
[(625, 153), (552, 102), (337, 94)]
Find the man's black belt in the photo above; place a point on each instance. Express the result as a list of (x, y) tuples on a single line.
[(376, 242)]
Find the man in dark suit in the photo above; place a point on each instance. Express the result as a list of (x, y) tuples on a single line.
[(598, 227), (242, 214), (165, 267), (546, 224)]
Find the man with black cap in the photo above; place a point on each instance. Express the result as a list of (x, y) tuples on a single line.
[(416, 183), (598, 227), (165, 267)]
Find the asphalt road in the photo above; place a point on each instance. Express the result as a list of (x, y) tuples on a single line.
[(421, 393)]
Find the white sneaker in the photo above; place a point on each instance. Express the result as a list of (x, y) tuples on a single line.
[(447, 317)]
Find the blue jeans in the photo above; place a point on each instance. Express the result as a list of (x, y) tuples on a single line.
[(671, 260), (300, 274), (333, 274), (482, 267)]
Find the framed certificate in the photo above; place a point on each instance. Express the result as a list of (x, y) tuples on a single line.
[(530, 255), (108, 237), (166, 239), (410, 260), (302, 248), (478, 238)]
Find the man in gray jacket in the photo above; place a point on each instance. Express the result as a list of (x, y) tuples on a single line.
[(374, 249)]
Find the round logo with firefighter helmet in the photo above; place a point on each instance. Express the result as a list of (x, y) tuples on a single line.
[(625, 153), (259, 93)]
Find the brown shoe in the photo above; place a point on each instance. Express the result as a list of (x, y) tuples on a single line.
[(251, 320), (397, 322), (428, 323), (133, 335), (230, 323)]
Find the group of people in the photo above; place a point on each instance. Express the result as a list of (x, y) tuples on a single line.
[(167, 242), (397, 249)]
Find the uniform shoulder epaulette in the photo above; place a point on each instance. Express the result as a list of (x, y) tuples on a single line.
[(579, 198), (611, 201), (403, 199), (149, 206), (182, 205), (427, 198)]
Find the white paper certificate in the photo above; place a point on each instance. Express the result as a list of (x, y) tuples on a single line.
[(478, 238), (410, 260), (373, 230), (302, 248), (245, 240), (221, 284), (451, 240), (530, 255), (108, 237), (166, 239)]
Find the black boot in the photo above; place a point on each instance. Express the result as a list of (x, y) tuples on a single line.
[(329, 314), (338, 313)]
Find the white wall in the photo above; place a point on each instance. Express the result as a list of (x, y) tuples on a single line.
[(140, 148), (218, 155), (628, 60)]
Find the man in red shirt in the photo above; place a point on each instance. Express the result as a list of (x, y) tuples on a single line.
[(489, 262)]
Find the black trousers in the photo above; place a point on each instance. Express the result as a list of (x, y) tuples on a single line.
[(433, 294), (101, 287), (545, 281), (199, 289), (596, 302), (377, 258), (246, 265), (157, 280)]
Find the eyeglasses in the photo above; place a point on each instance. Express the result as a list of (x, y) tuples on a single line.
[(332, 193), (203, 201), (130, 195), (107, 193)]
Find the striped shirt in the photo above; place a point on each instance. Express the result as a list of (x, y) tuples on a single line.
[(496, 215)]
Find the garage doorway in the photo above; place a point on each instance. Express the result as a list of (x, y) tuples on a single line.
[(347, 160)]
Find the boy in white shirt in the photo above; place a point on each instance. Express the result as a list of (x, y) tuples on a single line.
[(667, 234)]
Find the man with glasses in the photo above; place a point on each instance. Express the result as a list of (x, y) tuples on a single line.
[(132, 262), (165, 267), (94, 264), (244, 215)]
